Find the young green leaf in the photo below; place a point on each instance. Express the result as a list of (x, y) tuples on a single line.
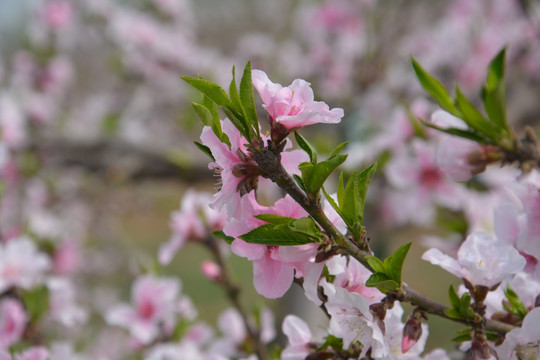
[(376, 264), (212, 90), (306, 226), (314, 175), (236, 104), (382, 282), (475, 119), (247, 98), (394, 263), (274, 219), (331, 200), (514, 304), (221, 235), (466, 134), (275, 235), (353, 198), (307, 147), (435, 88), (337, 149), (494, 93), (300, 182), (205, 149)]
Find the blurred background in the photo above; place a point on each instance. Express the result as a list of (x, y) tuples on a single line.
[(97, 127)]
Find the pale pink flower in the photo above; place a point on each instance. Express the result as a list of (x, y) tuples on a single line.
[(459, 158), (354, 278), (482, 260), (352, 320), (299, 336), (57, 14), (21, 264), (153, 311), (62, 303), (524, 340), (394, 334), (293, 106), (5, 355), (273, 266), (193, 221), (12, 322)]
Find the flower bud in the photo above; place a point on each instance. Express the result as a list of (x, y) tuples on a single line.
[(412, 330), (210, 270)]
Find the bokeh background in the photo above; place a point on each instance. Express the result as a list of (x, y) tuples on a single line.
[(97, 126)]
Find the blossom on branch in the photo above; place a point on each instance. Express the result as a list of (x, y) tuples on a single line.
[(293, 106)]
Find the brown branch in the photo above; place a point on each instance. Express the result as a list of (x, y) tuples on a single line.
[(270, 164), (116, 160)]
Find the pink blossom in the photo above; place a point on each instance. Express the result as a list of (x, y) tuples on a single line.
[(62, 303), (193, 221), (354, 278), (57, 14), (299, 336), (12, 322), (352, 320), (293, 106), (153, 310), (460, 159), (482, 260), (21, 264), (273, 266), (523, 340)]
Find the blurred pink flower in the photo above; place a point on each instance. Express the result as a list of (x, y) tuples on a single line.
[(33, 353), (12, 322), (57, 14), (21, 264), (293, 106), (299, 336), (153, 311)]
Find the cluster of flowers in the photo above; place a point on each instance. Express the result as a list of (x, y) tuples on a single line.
[(43, 222)]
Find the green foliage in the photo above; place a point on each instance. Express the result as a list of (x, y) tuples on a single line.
[(351, 199), (280, 233), (314, 175), (513, 303), (36, 302), (238, 106), (307, 147), (434, 88), (221, 235), (332, 342), (487, 130), (387, 274), (460, 307), (205, 149)]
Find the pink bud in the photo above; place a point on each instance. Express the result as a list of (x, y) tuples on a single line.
[(412, 330), (210, 270)]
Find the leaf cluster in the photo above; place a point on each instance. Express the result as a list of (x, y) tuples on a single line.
[(491, 128), (284, 231), (387, 274)]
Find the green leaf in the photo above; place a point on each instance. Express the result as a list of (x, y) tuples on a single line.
[(306, 226), (394, 263), (382, 282), (337, 149), (208, 113), (314, 175), (275, 235), (474, 118), (205, 149), (340, 190), (514, 304), (331, 201), (110, 123), (300, 182), (274, 219), (212, 90), (36, 302), (353, 198), (221, 235), (233, 94), (307, 147), (494, 92), (248, 99), (453, 296), (435, 88), (467, 134), (376, 264)]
